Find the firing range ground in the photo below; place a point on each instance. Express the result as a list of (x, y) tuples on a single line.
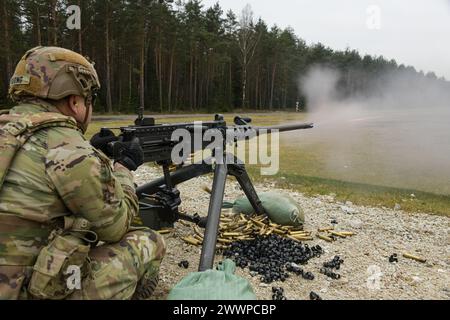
[(366, 272)]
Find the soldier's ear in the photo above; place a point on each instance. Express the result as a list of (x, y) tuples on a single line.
[(72, 104)]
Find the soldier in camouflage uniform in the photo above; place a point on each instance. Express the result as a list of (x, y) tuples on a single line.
[(60, 187)]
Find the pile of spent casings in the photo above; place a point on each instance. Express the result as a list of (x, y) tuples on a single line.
[(273, 257), (270, 250), (240, 228)]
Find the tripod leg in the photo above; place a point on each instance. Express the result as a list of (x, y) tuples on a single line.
[(214, 211), (241, 175)]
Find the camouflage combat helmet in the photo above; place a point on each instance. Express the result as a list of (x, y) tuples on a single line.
[(53, 73)]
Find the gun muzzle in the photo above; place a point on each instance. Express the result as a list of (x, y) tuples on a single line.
[(288, 127)]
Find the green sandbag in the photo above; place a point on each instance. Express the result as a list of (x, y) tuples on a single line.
[(280, 208), (220, 284)]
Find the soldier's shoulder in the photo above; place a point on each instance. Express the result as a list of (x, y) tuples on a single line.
[(68, 149), (67, 145), (66, 137)]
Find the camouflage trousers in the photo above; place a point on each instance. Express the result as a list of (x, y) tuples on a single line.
[(117, 269)]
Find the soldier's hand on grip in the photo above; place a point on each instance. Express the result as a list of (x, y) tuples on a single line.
[(102, 140), (132, 155)]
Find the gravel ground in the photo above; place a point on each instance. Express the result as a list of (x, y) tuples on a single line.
[(366, 272)]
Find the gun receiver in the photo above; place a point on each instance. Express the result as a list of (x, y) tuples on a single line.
[(161, 195)]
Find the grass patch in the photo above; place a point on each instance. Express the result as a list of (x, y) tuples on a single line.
[(360, 193)]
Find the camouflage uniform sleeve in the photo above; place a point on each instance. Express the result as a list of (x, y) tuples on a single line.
[(85, 180), (124, 176)]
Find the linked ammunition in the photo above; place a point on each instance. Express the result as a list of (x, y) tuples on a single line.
[(329, 273), (184, 264), (314, 296), (393, 258)]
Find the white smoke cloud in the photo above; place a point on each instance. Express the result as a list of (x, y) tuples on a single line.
[(395, 134)]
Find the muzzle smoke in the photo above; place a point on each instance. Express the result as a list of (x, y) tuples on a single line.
[(397, 133)]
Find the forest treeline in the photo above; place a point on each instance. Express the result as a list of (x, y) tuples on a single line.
[(183, 56)]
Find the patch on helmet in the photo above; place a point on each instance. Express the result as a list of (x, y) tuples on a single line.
[(20, 80)]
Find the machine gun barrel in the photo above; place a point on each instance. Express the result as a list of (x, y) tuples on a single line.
[(287, 127), (248, 132)]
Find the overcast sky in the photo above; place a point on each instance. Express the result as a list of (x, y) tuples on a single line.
[(413, 32)]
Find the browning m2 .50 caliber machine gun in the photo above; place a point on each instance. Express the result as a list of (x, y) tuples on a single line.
[(161, 197)]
